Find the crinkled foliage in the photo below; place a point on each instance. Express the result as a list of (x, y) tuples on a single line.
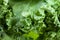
[(29, 19)]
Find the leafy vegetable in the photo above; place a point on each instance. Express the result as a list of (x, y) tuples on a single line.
[(29, 19)]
